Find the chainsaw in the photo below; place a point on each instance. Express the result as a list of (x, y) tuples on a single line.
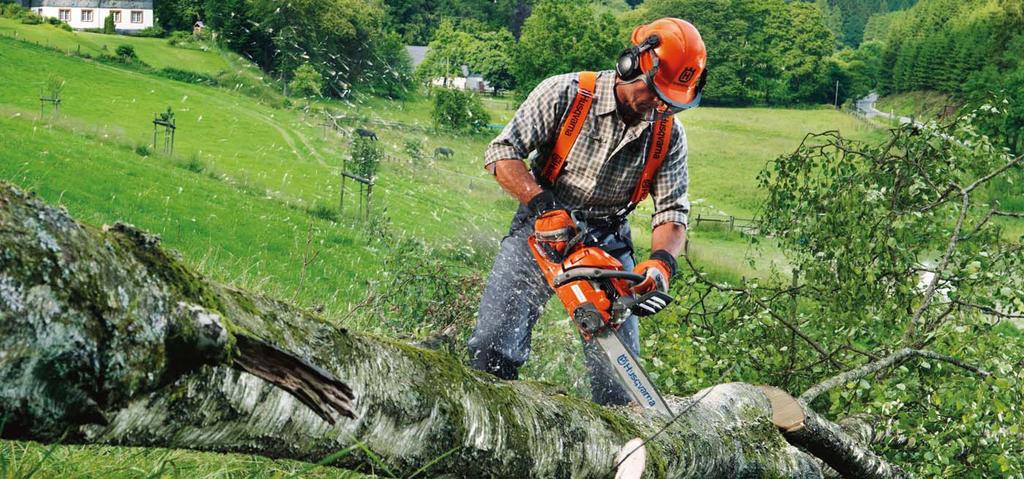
[(597, 294)]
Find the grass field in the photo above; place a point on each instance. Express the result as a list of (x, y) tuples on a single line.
[(154, 51), (251, 185), (24, 460)]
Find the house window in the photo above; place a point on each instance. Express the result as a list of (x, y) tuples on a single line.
[(86, 16), (65, 14), (117, 15), (136, 16)]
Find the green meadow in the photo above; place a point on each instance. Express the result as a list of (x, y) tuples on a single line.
[(250, 197), (154, 51)]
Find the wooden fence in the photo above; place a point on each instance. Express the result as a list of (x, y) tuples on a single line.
[(731, 223)]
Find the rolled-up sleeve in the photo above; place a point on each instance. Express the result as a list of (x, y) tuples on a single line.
[(669, 191), (536, 121)]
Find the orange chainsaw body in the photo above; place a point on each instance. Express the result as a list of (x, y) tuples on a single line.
[(580, 293)]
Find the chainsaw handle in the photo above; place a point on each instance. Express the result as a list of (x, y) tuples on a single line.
[(596, 273)]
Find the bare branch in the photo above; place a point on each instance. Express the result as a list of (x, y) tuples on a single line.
[(993, 174), (991, 311), (1008, 214), (906, 353), (930, 292)]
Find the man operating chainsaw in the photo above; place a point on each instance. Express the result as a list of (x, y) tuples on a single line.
[(598, 143)]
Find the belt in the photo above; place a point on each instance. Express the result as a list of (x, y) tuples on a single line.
[(603, 221)]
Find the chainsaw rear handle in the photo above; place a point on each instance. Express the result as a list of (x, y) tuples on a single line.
[(596, 273)]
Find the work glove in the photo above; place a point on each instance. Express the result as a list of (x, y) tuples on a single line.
[(652, 292), (553, 226)]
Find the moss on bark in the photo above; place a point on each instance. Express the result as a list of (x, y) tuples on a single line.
[(137, 347)]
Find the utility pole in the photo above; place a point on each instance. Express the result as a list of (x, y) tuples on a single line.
[(837, 94)]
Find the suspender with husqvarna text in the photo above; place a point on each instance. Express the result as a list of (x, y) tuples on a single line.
[(661, 135)]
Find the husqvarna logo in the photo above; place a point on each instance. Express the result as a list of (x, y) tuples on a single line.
[(687, 75), (627, 365)]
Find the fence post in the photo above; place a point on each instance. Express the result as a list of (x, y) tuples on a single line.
[(369, 197), (732, 223)]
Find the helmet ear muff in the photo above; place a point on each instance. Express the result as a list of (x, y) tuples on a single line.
[(628, 65)]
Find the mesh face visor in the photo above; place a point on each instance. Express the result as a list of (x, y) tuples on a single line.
[(669, 107)]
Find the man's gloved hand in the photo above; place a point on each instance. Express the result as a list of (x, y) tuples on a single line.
[(659, 270), (652, 292), (553, 226)]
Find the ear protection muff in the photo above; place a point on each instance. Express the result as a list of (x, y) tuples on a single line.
[(628, 65)]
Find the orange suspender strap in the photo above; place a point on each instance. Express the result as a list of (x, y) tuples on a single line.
[(571, 127), (657, 150)]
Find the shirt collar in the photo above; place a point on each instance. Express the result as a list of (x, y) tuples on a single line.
[(605, 94)]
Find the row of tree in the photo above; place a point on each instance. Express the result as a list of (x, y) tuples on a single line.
[(770, 52), (759, 51), (850, 20), (416, 21), (348, 42), (971, 49)]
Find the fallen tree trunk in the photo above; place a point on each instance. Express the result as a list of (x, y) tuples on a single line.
[(101, 342)]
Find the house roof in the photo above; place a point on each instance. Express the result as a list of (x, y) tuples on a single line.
[(127, 4)]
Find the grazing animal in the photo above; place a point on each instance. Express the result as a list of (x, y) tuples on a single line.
[(447, 153), (364, 133)]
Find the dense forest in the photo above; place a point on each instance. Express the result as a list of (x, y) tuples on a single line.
[(761, 52), (970, 49)]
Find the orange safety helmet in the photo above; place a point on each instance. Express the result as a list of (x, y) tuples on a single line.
[(671, 56)]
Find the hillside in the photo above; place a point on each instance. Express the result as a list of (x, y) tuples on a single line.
[(250, 198), (153, 51)]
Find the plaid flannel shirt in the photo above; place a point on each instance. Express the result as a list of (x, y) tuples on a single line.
[(608, 157)]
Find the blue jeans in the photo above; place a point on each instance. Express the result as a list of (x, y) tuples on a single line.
[(515, 294)]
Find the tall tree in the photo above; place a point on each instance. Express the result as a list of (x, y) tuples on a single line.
[(563, 37), (237, 30), (345, 40), (759, 51), (484, 52), (177, 14)]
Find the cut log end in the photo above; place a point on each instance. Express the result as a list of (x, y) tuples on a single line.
[(787, 413), (631, 460)]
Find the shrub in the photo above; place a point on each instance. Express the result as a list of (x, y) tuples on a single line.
[(366, 155), (65, 27), (30, 18), (324, 212), (53, 21), (11, 10), (414, 148), (126, 53), (151, 32), (143, 150), (194, 164), (187, 76), (179, 38), (55, 85), (306, 81), (108, 25), (459, 110)]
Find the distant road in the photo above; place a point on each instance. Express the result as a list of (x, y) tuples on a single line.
[(866, 106)]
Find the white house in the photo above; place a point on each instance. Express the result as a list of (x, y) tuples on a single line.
[(129, 15), (468, 81)]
